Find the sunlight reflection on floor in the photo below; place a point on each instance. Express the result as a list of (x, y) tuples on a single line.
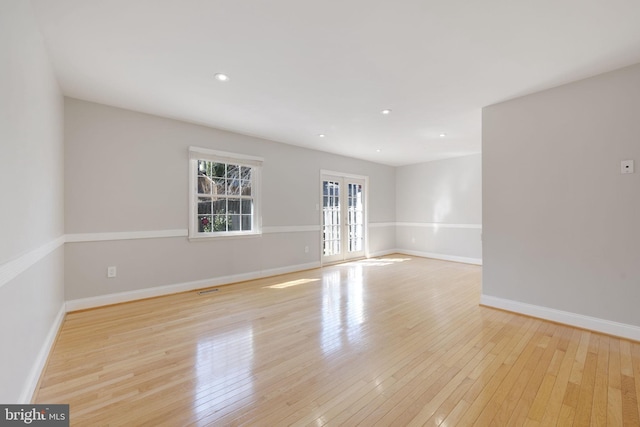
[(343, 309), (377, 262), (223, 364), (292, 283)]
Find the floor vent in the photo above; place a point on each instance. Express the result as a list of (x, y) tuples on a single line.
[(207, 291)]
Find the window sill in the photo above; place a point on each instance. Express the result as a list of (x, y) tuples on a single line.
[(231, 235)]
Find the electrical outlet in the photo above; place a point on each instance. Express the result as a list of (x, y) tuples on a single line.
[(111, 271), (306, 249), (626, 166)]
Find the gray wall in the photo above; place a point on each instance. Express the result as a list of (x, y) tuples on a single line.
[(439, 208), (128, 172), (561, 224), (31, 187), (122, 171)]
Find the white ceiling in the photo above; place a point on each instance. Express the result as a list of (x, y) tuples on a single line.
[(300, 68)]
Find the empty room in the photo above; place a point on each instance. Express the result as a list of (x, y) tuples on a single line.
[(280, 213)]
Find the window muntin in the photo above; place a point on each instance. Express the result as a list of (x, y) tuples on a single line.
[(224, 194)]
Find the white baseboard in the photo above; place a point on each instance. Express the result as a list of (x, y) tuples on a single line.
[(41, 360), (444, 257), (595, 324), (116, 298), (383, 253)]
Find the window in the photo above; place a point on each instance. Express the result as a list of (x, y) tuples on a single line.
[(224, 195)]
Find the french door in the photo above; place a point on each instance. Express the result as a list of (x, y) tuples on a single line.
[(343, 218)]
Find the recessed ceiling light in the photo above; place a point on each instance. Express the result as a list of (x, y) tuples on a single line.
[(385, 111), (378, 150), (321, 135), (221, 77), (442, 135)]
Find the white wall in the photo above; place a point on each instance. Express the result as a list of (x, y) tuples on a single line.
[(439, 209), (128, 172), (561, 224), (31, 190)]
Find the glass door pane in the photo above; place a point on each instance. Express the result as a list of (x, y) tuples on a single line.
[(355, 217), (331, 224), (343, 218)]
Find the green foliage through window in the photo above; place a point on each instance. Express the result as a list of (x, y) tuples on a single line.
[(225, 197)]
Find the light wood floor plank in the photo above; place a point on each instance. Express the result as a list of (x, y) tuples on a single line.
[(395, 341), (601, 387), (629, 402), (635, 351), (481, 394), (533, 387)]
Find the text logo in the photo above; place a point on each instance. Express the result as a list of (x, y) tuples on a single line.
[(34, 415)]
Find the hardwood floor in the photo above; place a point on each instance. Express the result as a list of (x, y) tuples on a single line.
[(395, 341)]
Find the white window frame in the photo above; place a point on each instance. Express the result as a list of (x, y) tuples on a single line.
[(198, 153)]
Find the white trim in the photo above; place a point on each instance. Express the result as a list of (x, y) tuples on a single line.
[(595, 324), (98, 301), (226, 235), (156, 234), (384, 253), (41, 360), (290, 229), (444, 257), (345, 178), (196, 154), (224, 155), (381, 224), (12, 269), (437, 225), (125, 235), (342, 175)]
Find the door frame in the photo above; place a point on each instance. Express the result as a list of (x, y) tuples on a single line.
[(344, 176)]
